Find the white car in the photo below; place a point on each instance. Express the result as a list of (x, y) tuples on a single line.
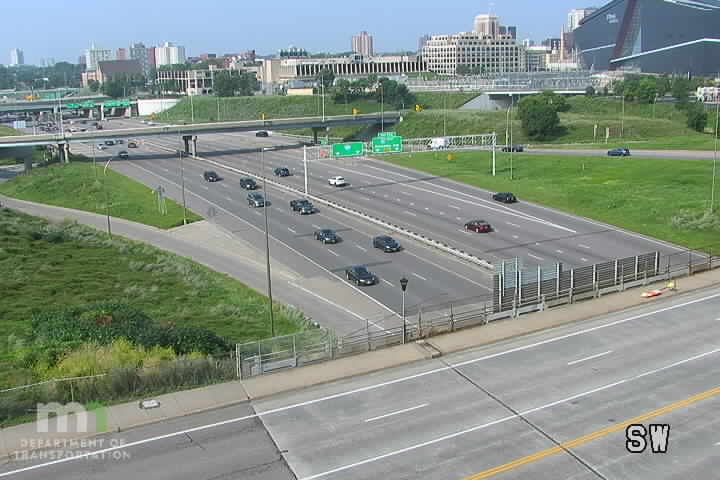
[(337, 181)]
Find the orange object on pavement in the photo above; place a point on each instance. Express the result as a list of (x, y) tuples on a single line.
[(652, 293)]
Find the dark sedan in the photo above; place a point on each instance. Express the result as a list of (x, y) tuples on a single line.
[(360, 275), (505, 197), (479, 226), (326, 235), (248, 184), (619, 152), (211, 176), (124, 155), (386, 244), (262, 133), (281, 172), (513, 148)]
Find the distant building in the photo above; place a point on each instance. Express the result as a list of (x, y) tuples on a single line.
[(537, 58), (576, 15), (169, 54), (552, 43), (363, 44), (107, 70), (17, 57), (422, 41), (139, 52), (499, 54), (528, 43), (121, 54), (81, 60), (191, 82), (293, 52), (487, 25), (151, 52), (94, 55), (208, 56), (510, 31)]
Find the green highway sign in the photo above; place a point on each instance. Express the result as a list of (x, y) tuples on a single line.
[(351, 149), (387, 144), (116, 103), (387, 134)]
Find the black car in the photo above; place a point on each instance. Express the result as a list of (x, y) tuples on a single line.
[(98, 127), (248, 184), (296, 205), (619, 152), (119, 141), (109, 143), (386, 244), (505, 197), (479, 226), (262, 133), (281, 172), (124, 155), (255, 200), (326, 235), (306, 209), (513, 148), (132, 145), (360, 275), (211, 176)]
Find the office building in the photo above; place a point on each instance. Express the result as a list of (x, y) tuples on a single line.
[(576, 15), (169, 54), (422, 41), (17, 57), (487, 25), (121, 54), (501, 54), (94, 55), (554, 44), (650, 36), (139, 52), (537, 58), (363, 44), (191, 82)]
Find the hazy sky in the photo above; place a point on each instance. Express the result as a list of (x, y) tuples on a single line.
[(63, 29)]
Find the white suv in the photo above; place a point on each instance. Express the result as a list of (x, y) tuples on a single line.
[(337, 181)]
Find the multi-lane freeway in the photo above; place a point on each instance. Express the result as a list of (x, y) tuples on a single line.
[(550, 405)]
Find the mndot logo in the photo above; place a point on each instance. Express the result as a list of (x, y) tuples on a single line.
[(63, 412)]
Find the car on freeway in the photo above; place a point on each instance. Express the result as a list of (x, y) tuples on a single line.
[(479, 226), (303, 207), (109, 143), (255, 200), (326, 235), (132, 145), (361, 275), (98, 127), (505, 197), (262, 133), (619, 152), (281, 172), (337, 181), (386, 244), (248, 184), (101, 146), (513, 148), (119, 141), (211, 176), (124, 155)]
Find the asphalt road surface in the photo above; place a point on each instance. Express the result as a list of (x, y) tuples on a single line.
[(550, 405), (671, 154)]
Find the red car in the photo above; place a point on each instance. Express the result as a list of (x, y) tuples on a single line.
[(479, 226)]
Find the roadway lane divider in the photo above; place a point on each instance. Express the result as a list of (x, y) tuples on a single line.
[(426, 240)]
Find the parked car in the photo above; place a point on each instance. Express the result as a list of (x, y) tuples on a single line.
[(132, 145), (361, 275), (124, 155), (248, 184), (326, 235), (513, 148), (281, 172), (262, 133), (386, 244), (505, 197), (211, 176), (479, 226), (255, 200), (619, 152), (337, 181)]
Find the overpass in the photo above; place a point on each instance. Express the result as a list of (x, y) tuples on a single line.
[(48, 105), (189, 133), (517, 92)]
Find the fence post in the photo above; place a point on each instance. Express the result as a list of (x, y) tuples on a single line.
[(594, 281), (419, 333), (238, 365), (260, 358), (690, 272), (615, 281), (622, 278), (72, 392), (557, 282), (572, 284), (452, 319), (295, 356), (367, 333), (539, 281), (657, 263), (637, 265)]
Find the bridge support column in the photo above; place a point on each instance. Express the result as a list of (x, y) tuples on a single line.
[(190, 142), (193, 146), (315, 135)]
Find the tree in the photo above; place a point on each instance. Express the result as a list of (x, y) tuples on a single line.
[(247, 83), (94, 85), (341, 91), (226, 84), (697, 117), (590, 91), (647, 90), (539, 118), (325, 77), (663, 85), (680, 88)]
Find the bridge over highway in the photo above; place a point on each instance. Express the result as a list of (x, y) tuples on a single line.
[(51, 104)]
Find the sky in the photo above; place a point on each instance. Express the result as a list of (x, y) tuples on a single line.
[(62, 30)]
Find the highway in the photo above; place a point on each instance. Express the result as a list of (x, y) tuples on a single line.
[(602, 152), (549, 405)]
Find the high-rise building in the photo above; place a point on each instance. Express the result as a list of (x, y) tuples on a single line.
[(169, 54), (422, 41), (17, 57), (82, 61), (139, 52), (552, 43), (478, 52), (512, 31), (576, 15), (151, 53), (121, 54), (95, 55), (487, 25), (363, 44)]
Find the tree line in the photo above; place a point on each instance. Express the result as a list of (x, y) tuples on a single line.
[(372, 87)]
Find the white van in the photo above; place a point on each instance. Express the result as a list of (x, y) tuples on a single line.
[(439, 143)]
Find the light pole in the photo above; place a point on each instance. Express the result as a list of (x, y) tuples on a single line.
[(403, 285), (192, 109), (107, 197), (382, 108), (622, 119), (267, 243), (512, 104), (445, 115), (218, 105), (94, 164), (717, 119), (305, 167), (182, 181)]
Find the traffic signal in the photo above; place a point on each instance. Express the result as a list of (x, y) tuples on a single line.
[(418, 108)]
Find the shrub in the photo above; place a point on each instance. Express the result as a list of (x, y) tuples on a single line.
[(698, 221)]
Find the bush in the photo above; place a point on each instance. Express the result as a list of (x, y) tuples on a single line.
[(697, 117), (697, 221)]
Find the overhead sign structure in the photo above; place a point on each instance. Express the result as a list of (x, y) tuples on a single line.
[(116, 103), (352, 149), (387, 144)]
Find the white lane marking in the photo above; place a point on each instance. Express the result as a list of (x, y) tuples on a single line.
[(397, 199), (361, 248), (466, 232), (206, 187), (535, 257), (315, 226), (293, 231), (442, 213), (458, 218), (455, 207), (426, 208), (224, 185), (560, 252), (584, 259), (228, 198), (515, 237), (333, 253), (591, 357), (399, 380), (163, 168), (406, 193), (389, 283), (412, 204), (505, 419), (340, 307), (584, 246), (385, 196), (410, 213), (420, 277), (513, 224), (405, 410)]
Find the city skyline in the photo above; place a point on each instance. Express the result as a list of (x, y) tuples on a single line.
[(154, 23)]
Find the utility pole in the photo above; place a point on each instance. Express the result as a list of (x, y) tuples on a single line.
[(622, 120), (192, 109), (382, 108), (305, 166), (267, 244), (512, 104), (182, 177), (717, 120)]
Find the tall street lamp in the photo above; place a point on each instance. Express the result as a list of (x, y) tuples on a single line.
[(403, 285), (182, 184), (107, 197), (382, 108), (717, 120), (267, 241)]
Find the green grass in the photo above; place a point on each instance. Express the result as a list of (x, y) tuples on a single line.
[(7, 131), (642, 195), (87, 267), (74, 185)]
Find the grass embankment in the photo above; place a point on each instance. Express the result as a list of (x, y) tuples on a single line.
[(665, 199), (75, 185), (51, 267), (6, 132)]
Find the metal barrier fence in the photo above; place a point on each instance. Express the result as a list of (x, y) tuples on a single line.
[(506, 81), (558, 287)]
